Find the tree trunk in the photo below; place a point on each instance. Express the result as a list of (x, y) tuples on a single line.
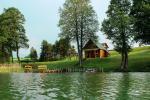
[(81, 42), (122, 61), (18, 53), (126, 61), (77, 39), (12, 59), (3, 54), (78, 47), (124, 48)]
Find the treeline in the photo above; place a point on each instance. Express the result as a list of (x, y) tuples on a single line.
[(50, 52), (12, 34)]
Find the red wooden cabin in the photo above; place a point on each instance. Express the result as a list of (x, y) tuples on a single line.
[(93, 50)]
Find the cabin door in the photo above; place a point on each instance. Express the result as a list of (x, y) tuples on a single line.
[(91, 54)]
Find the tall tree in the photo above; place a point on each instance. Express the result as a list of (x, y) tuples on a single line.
[(46, 51), (3, 39), (33, 54), (78, 21), (12, 26), (22, 42), (64, 45), (141, 13), (117, 28), (55, 49)]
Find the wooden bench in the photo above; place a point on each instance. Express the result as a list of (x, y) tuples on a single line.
[(28, 68), (42, 68)]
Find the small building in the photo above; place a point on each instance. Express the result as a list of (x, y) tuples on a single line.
[(93, 50)]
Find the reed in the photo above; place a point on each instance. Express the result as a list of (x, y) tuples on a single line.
[(9, 68)]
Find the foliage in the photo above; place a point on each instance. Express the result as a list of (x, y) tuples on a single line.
[(46, 51), (61, 47), (118, 28), (141, 13), (33, 54), (12, 32), (64, 45)]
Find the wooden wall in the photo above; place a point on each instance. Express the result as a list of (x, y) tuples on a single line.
[(98, 53)]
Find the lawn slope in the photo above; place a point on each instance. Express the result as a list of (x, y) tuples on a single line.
[(139, 60)]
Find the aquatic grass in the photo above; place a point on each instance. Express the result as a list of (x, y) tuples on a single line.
[(4, 69)]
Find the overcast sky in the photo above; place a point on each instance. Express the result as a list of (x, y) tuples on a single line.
[(42, 19)]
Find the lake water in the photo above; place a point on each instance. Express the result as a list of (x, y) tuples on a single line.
[(75, 86)]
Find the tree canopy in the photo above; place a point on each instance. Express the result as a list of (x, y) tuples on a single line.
[(141, 13), (33, 54), (46, 51), (12, 32)]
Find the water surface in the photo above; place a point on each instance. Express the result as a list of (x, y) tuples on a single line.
[(75, 86)]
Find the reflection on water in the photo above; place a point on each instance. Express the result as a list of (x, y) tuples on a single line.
[(75, 86)]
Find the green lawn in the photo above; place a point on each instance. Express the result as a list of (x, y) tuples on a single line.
[(139, 60)]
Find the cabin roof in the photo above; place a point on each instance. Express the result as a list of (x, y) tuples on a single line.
[(98, 45), (105, 44)]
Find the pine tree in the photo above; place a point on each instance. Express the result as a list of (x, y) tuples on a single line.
[(46, 51)]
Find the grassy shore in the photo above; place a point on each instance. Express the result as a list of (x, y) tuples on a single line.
[(139, 61)]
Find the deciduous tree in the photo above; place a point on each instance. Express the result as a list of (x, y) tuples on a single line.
[(12, 32), (78, 21), (118, 28)]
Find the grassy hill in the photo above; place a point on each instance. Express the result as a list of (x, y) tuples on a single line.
[(139, 60)]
